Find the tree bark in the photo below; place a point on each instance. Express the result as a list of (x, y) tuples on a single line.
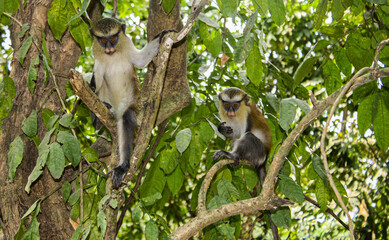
[(14, 201)]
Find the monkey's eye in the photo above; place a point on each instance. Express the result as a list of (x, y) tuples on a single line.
[(103, 40), (235, 105), (112, 39), (226, 105)]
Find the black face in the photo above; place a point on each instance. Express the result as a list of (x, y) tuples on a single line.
[(231, 106), (109, 42)]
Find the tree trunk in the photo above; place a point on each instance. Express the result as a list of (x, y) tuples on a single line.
[(14, 201)]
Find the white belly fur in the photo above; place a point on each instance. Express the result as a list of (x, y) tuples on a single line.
[(113, 84)]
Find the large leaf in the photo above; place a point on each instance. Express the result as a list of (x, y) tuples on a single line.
[(254, 65), (365, 113), (287, 113), (151, 231), (277, 10), (168, 5), (342, 61), (212, 39), (15, 156), (290, 189), (30, 124), (323, 193), (320, 14), (56, 160), (282, 217), (71, 147), (358, 50), (332, 79), (153, 185), (58, 17), (243, 48), (80, 32), (32, 74), (304, 69), (169, 159), (227, 7), (24, 49), (183, 139), (38, 169), (381, 119), (175, 180)]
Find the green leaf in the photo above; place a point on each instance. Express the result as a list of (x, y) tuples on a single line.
[(38, 169), (251, 177), (90, 155), (67, 121), (169, 160), (30, 124), (338, 9), (32, 74), (365, 113), (226, 230), (303, 70), (342, 61), (211, 39), (56, 160), (31, 208), (282, 217), (175, 180), (243, 48), (290, 189), (320, 14), (15, 156), (262, 6), (227, 190), (183, 139), (75, 197), (318, 166), (66, 190), (32, 232), (71, 147), (25, 28), (277, 10), (151, 231), (254, 65), (58, 17), (358, 51), (113, 203), (333, 80), (24, 49), (205, 19), (46, 57), (78, 233), (287, 113), (168, 5), (102, 222), (46, 114), (342, 191), (80, 32), (136, 213), (322, 193), (381, 120), (11, 6), (153, 185), (227, 7)]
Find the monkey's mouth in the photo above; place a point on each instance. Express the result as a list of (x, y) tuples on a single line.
[(110, 51), (231, 114)]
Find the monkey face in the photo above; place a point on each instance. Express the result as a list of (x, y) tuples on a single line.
[(109, 43), (231, 108)]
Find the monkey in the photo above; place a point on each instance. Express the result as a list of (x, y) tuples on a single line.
[(243, 123), (116, 84)]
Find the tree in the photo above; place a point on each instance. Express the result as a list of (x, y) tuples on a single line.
[(295, 59)]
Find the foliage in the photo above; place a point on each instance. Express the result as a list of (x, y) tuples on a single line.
[(277, 53)]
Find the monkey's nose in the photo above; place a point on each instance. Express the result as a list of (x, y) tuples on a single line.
[(110, 51), (231, 114)]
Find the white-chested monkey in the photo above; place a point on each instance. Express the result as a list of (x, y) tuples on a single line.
[(250, 133), (116, 83)]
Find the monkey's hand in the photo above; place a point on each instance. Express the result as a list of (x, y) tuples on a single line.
[(225, 130), (118, 174), (163, 33)]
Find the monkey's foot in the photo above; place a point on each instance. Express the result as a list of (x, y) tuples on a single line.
[(118, 174), (219, 154), (235, 164)]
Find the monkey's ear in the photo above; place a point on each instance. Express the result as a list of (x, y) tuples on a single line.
[(124, 28), (246, 99)]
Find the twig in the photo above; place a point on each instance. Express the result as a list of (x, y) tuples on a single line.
[(115, 8), (137, 184), (331, 212)]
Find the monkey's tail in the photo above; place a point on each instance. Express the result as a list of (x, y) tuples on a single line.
[(261, 171), (126, 127)]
